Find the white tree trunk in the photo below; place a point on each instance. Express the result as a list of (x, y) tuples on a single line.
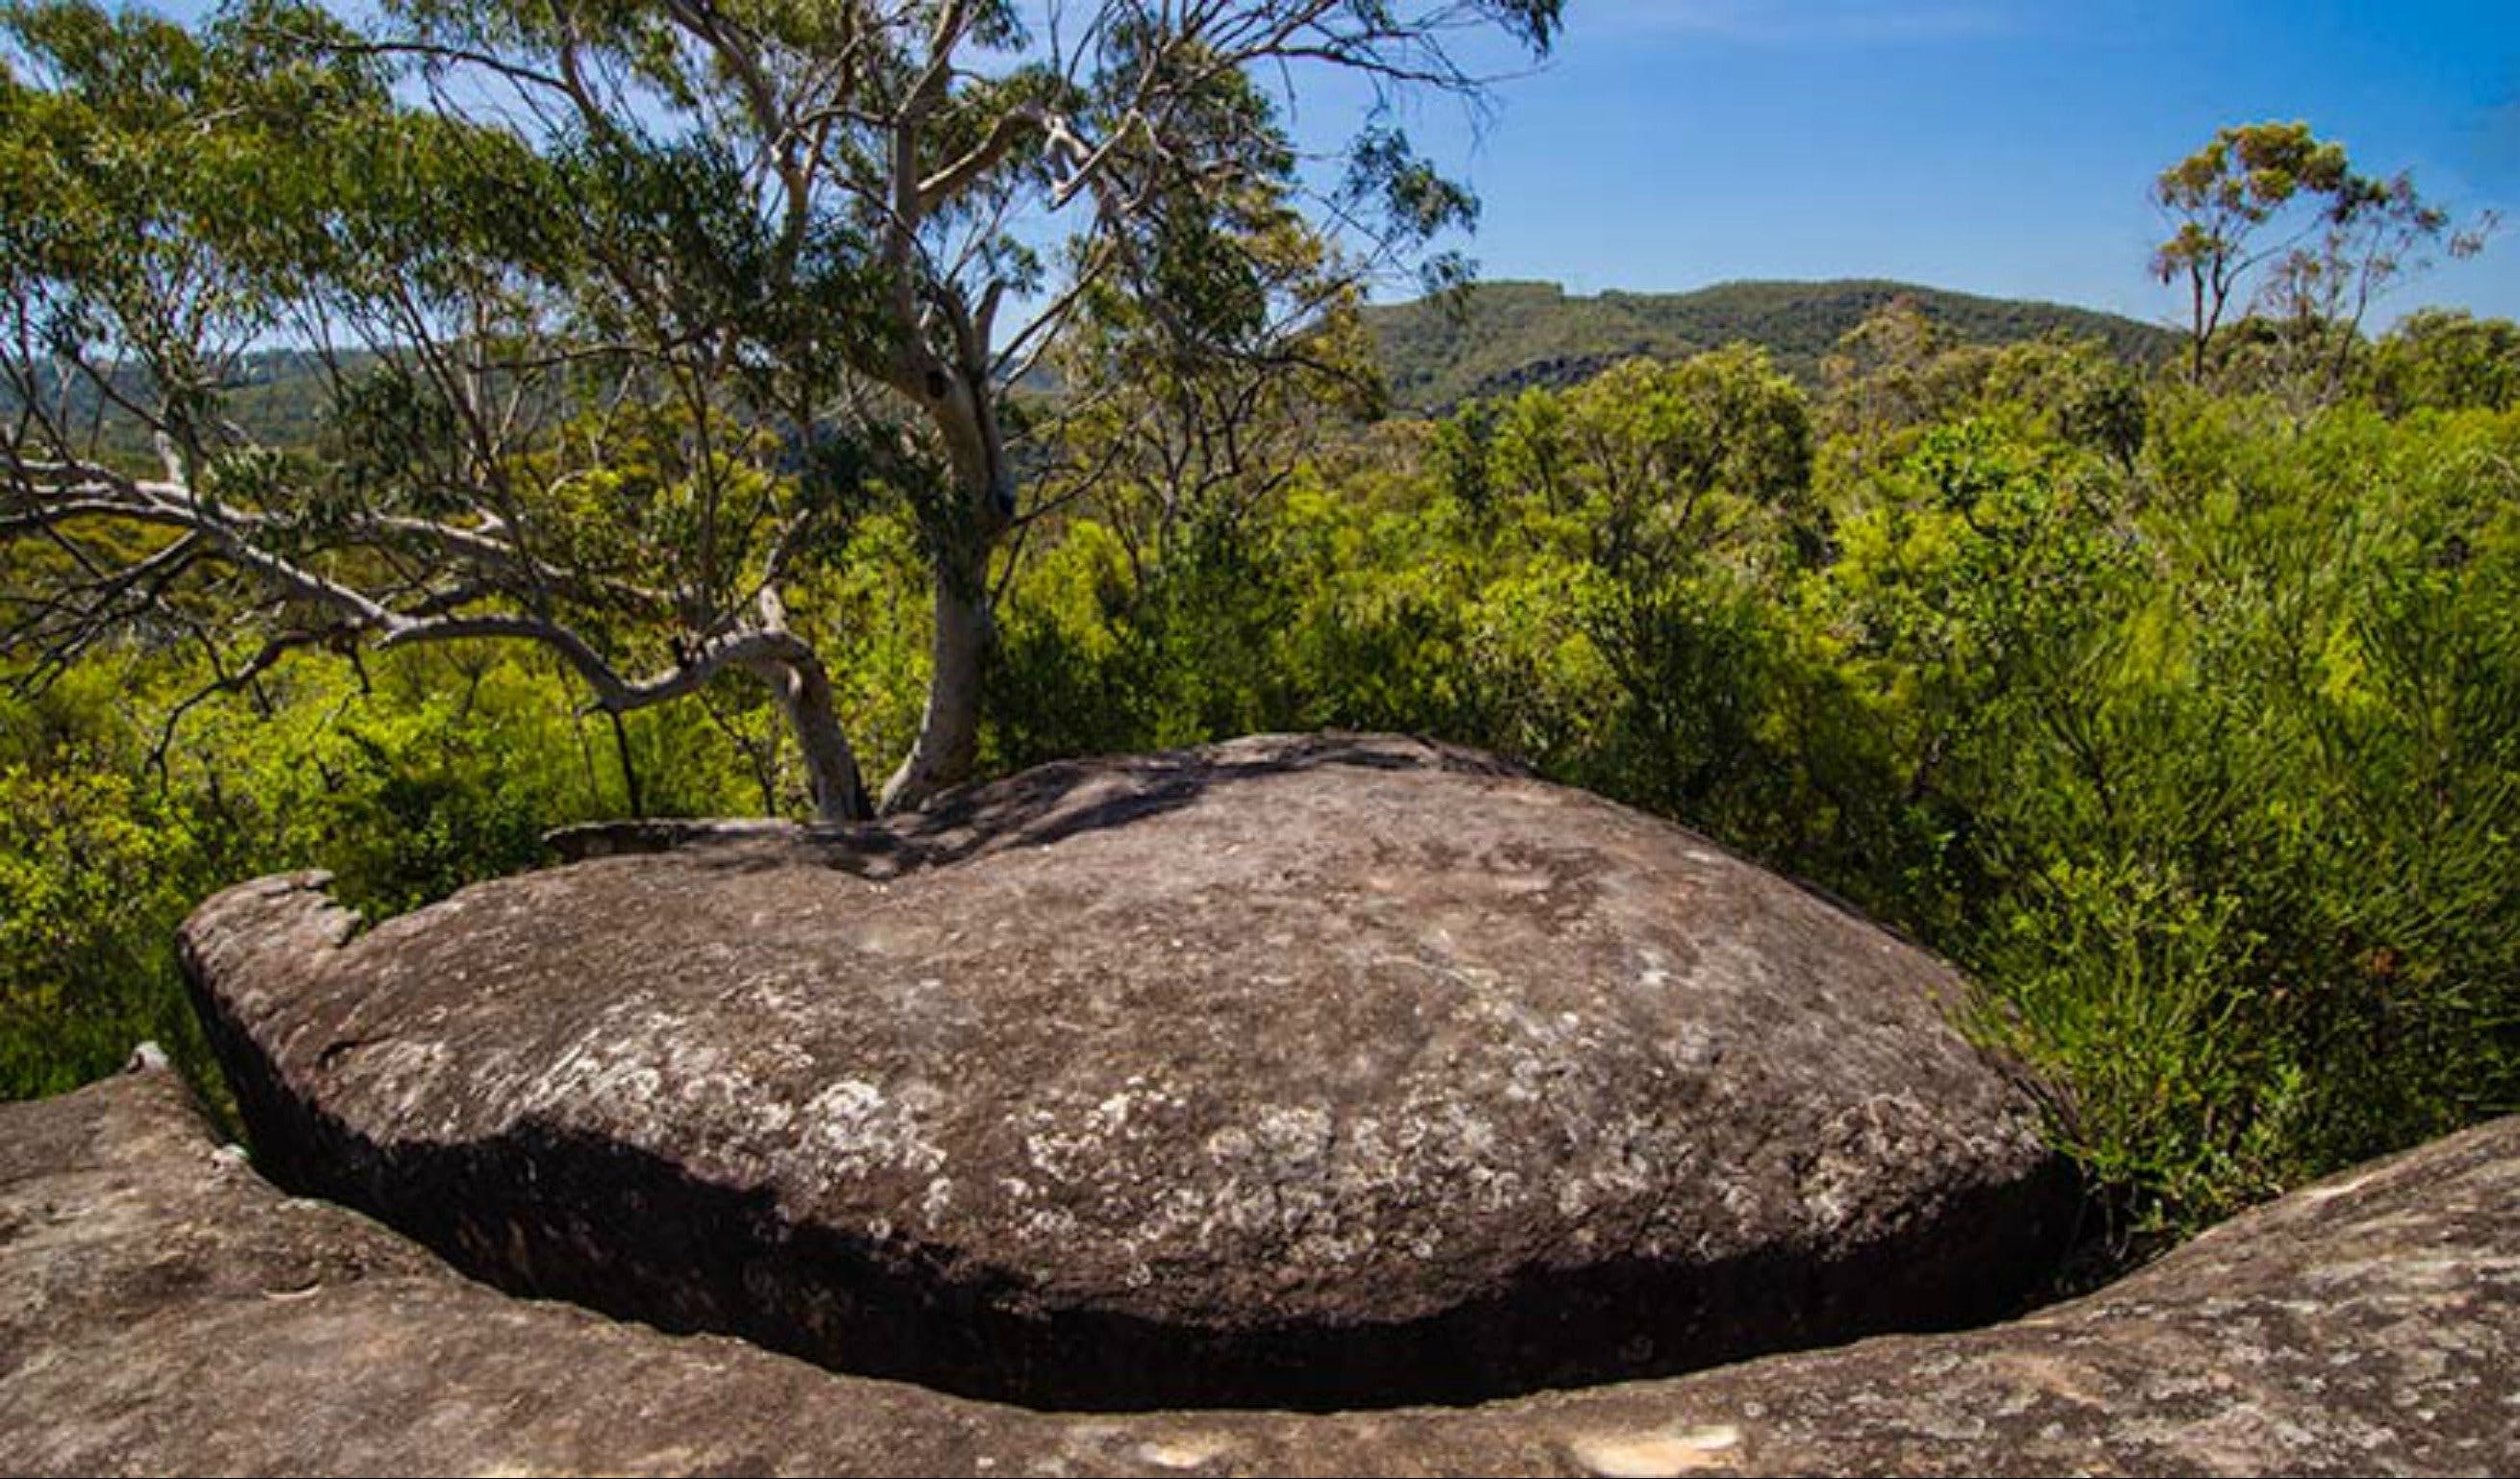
[(949, 727), (804, 691)]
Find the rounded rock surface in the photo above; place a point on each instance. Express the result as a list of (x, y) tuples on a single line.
[(1292, 1071), (164, 1310)]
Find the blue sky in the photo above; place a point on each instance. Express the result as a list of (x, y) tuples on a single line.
[(1992, 145), (2002, 147)]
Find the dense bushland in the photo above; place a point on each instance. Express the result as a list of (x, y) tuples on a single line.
[(2187, 719)]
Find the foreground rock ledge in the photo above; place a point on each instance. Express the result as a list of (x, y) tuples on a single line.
[(164, 1310), (1311, 1072)]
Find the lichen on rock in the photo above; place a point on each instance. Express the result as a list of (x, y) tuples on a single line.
[(1307, 1071)]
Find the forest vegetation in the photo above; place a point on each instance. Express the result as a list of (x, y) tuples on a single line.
[(1496, 337), (2169, 686)]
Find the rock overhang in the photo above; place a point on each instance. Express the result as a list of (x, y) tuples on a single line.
[(165, 1310)]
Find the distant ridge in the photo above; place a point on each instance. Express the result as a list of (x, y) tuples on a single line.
[(1507, 334), (1511, 334)]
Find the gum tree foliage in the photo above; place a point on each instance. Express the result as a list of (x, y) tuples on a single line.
[(1172, 444), (2275, 220), (629, 309)]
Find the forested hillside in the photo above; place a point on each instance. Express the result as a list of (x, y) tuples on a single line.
[(1499, 336), (1485, 340), (279, 396)]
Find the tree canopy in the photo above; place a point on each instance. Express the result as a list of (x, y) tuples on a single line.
[(2275, 220), (631, 309)]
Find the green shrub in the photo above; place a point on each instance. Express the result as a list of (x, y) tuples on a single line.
[(2191, 727)]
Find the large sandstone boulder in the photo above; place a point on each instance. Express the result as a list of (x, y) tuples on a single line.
[(1309, 1072), (164, 1310)]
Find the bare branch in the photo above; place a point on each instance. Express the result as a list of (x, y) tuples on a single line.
[(940, 188)]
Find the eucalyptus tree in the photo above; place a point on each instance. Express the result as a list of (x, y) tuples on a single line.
[(2271, 218), (627, 308)]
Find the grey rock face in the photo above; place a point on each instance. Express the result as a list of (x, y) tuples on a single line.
[(1290, 1072), (164, 1310)]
